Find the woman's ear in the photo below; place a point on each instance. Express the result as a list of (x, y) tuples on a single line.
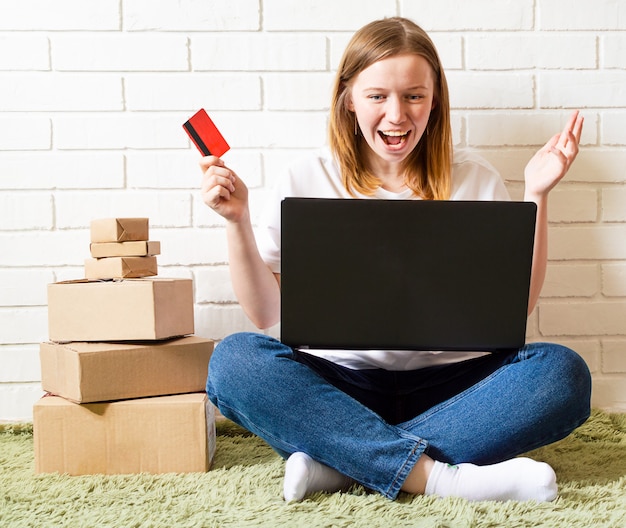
[(347, 98)]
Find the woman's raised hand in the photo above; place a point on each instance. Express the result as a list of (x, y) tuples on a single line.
[(548, 166), (222, 190)]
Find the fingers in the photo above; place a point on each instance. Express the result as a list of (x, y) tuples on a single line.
[(214, 196), (566, 155), (573, 130), (560, 155), (218, 181), (219, 176), (216, 173), (210, 161), (553, 141), (568, 141), (578, 127), (216, 189), (572, 120)]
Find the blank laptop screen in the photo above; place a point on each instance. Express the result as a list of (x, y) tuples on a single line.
[(405, 274)]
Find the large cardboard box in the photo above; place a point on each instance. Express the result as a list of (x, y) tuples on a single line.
[(119, 229), (120, 310), (95, 372), (120, 267), (154, 435), (137, 248)]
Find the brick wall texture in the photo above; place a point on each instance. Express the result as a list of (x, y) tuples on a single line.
[(93, 94)]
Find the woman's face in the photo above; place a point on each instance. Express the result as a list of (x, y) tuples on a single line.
[(392, 100)]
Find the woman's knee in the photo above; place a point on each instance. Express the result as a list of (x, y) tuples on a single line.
[(580, 377), (232, 351), (237, 358), (570, 378), (574, 370)]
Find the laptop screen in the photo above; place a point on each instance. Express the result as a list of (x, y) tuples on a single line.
[(405, 274)]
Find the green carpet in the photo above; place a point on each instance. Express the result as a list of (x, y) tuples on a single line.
[(244, 489)]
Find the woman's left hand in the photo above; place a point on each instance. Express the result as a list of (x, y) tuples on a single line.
[(548, 166)]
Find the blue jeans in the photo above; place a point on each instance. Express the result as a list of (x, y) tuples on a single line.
[(512, 403)]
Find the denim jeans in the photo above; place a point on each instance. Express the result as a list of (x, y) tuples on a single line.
[(511, 404)]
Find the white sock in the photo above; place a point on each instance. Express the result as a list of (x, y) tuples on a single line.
[(516, 479), (303, 476)]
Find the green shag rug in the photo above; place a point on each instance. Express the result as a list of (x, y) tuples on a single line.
[(245, 484)]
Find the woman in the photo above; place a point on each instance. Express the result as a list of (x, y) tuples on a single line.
[(445, 424)]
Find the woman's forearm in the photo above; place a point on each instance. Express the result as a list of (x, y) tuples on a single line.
[(540, 250), (256, 287)]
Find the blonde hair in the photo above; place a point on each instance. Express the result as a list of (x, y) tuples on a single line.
[(427, 168)]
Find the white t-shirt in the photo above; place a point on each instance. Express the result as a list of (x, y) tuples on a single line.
[(317, 176)]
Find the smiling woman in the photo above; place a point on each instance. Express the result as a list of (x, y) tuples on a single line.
[(452, 425), (391, 84), (392, 100)]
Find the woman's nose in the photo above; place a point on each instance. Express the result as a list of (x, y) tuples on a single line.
[(395, 110)]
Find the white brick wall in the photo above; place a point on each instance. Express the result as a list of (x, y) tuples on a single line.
[(93, 94)]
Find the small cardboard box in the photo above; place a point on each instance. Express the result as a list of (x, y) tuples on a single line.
[(137, 248), (163, 434), (120, 267), (96, 372), (121, 310), (119, 229)]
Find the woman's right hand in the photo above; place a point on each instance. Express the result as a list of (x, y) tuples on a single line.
[(222, 190), (254, 283)]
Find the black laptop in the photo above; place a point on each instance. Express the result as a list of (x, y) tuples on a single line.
[(405, 274)]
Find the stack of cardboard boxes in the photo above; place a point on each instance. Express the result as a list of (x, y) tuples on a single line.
[(124, 376), (121, 250)]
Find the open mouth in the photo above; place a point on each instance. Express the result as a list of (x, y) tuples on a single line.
[(393, 137)]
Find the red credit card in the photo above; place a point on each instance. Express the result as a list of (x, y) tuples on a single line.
[(205, 135)]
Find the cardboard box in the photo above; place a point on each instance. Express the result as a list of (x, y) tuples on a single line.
[(96, 372), (119, 229), (120, 267), (121, 310), (153, 435), (137, 248)]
